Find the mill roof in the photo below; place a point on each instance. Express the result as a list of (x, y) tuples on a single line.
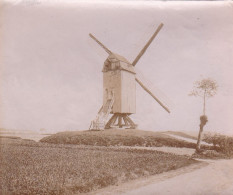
[(118, 57), (119, 63)]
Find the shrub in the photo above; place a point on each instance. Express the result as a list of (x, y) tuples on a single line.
[(222, 143), (210, 154)]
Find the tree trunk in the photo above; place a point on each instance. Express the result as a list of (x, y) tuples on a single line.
[(198, 148), (203, 120), (204, 103)]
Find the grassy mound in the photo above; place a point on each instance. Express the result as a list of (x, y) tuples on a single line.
[(41, 168), (126, 137)]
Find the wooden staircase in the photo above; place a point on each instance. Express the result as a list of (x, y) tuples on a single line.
[(102, 116)]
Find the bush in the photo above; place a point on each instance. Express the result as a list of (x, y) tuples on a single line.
[(210, 154), (222, 143)]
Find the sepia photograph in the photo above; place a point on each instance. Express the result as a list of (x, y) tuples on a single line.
[(116, 97)]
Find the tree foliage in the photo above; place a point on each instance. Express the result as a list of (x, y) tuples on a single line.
[(205, 87)]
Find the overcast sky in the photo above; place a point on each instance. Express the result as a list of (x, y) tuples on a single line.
[(51, 70)]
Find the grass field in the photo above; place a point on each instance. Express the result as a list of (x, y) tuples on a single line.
[(29, 167), (126, 137)]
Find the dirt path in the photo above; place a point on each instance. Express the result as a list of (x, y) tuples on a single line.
[(206, 178), (216, 178), (186, 139), (178, 151)]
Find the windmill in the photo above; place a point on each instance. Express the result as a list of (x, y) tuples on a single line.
[(119, 89)]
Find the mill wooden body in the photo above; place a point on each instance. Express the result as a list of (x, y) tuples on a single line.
[(119, 83)]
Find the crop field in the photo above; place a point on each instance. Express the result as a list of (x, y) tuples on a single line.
[(40, 168)]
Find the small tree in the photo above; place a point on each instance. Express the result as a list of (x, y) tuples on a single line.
[(204, 88)]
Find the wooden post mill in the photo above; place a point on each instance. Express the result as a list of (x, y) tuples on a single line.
[(119, 90)]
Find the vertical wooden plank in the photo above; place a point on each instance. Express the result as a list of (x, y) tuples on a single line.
[(128, 92)]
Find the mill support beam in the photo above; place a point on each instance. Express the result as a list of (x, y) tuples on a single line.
[(133, 125), (111, 121), (126, 122)]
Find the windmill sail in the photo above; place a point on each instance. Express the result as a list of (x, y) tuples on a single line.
[(148, 91), (101, 44), (152, 90), (147, 45)]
